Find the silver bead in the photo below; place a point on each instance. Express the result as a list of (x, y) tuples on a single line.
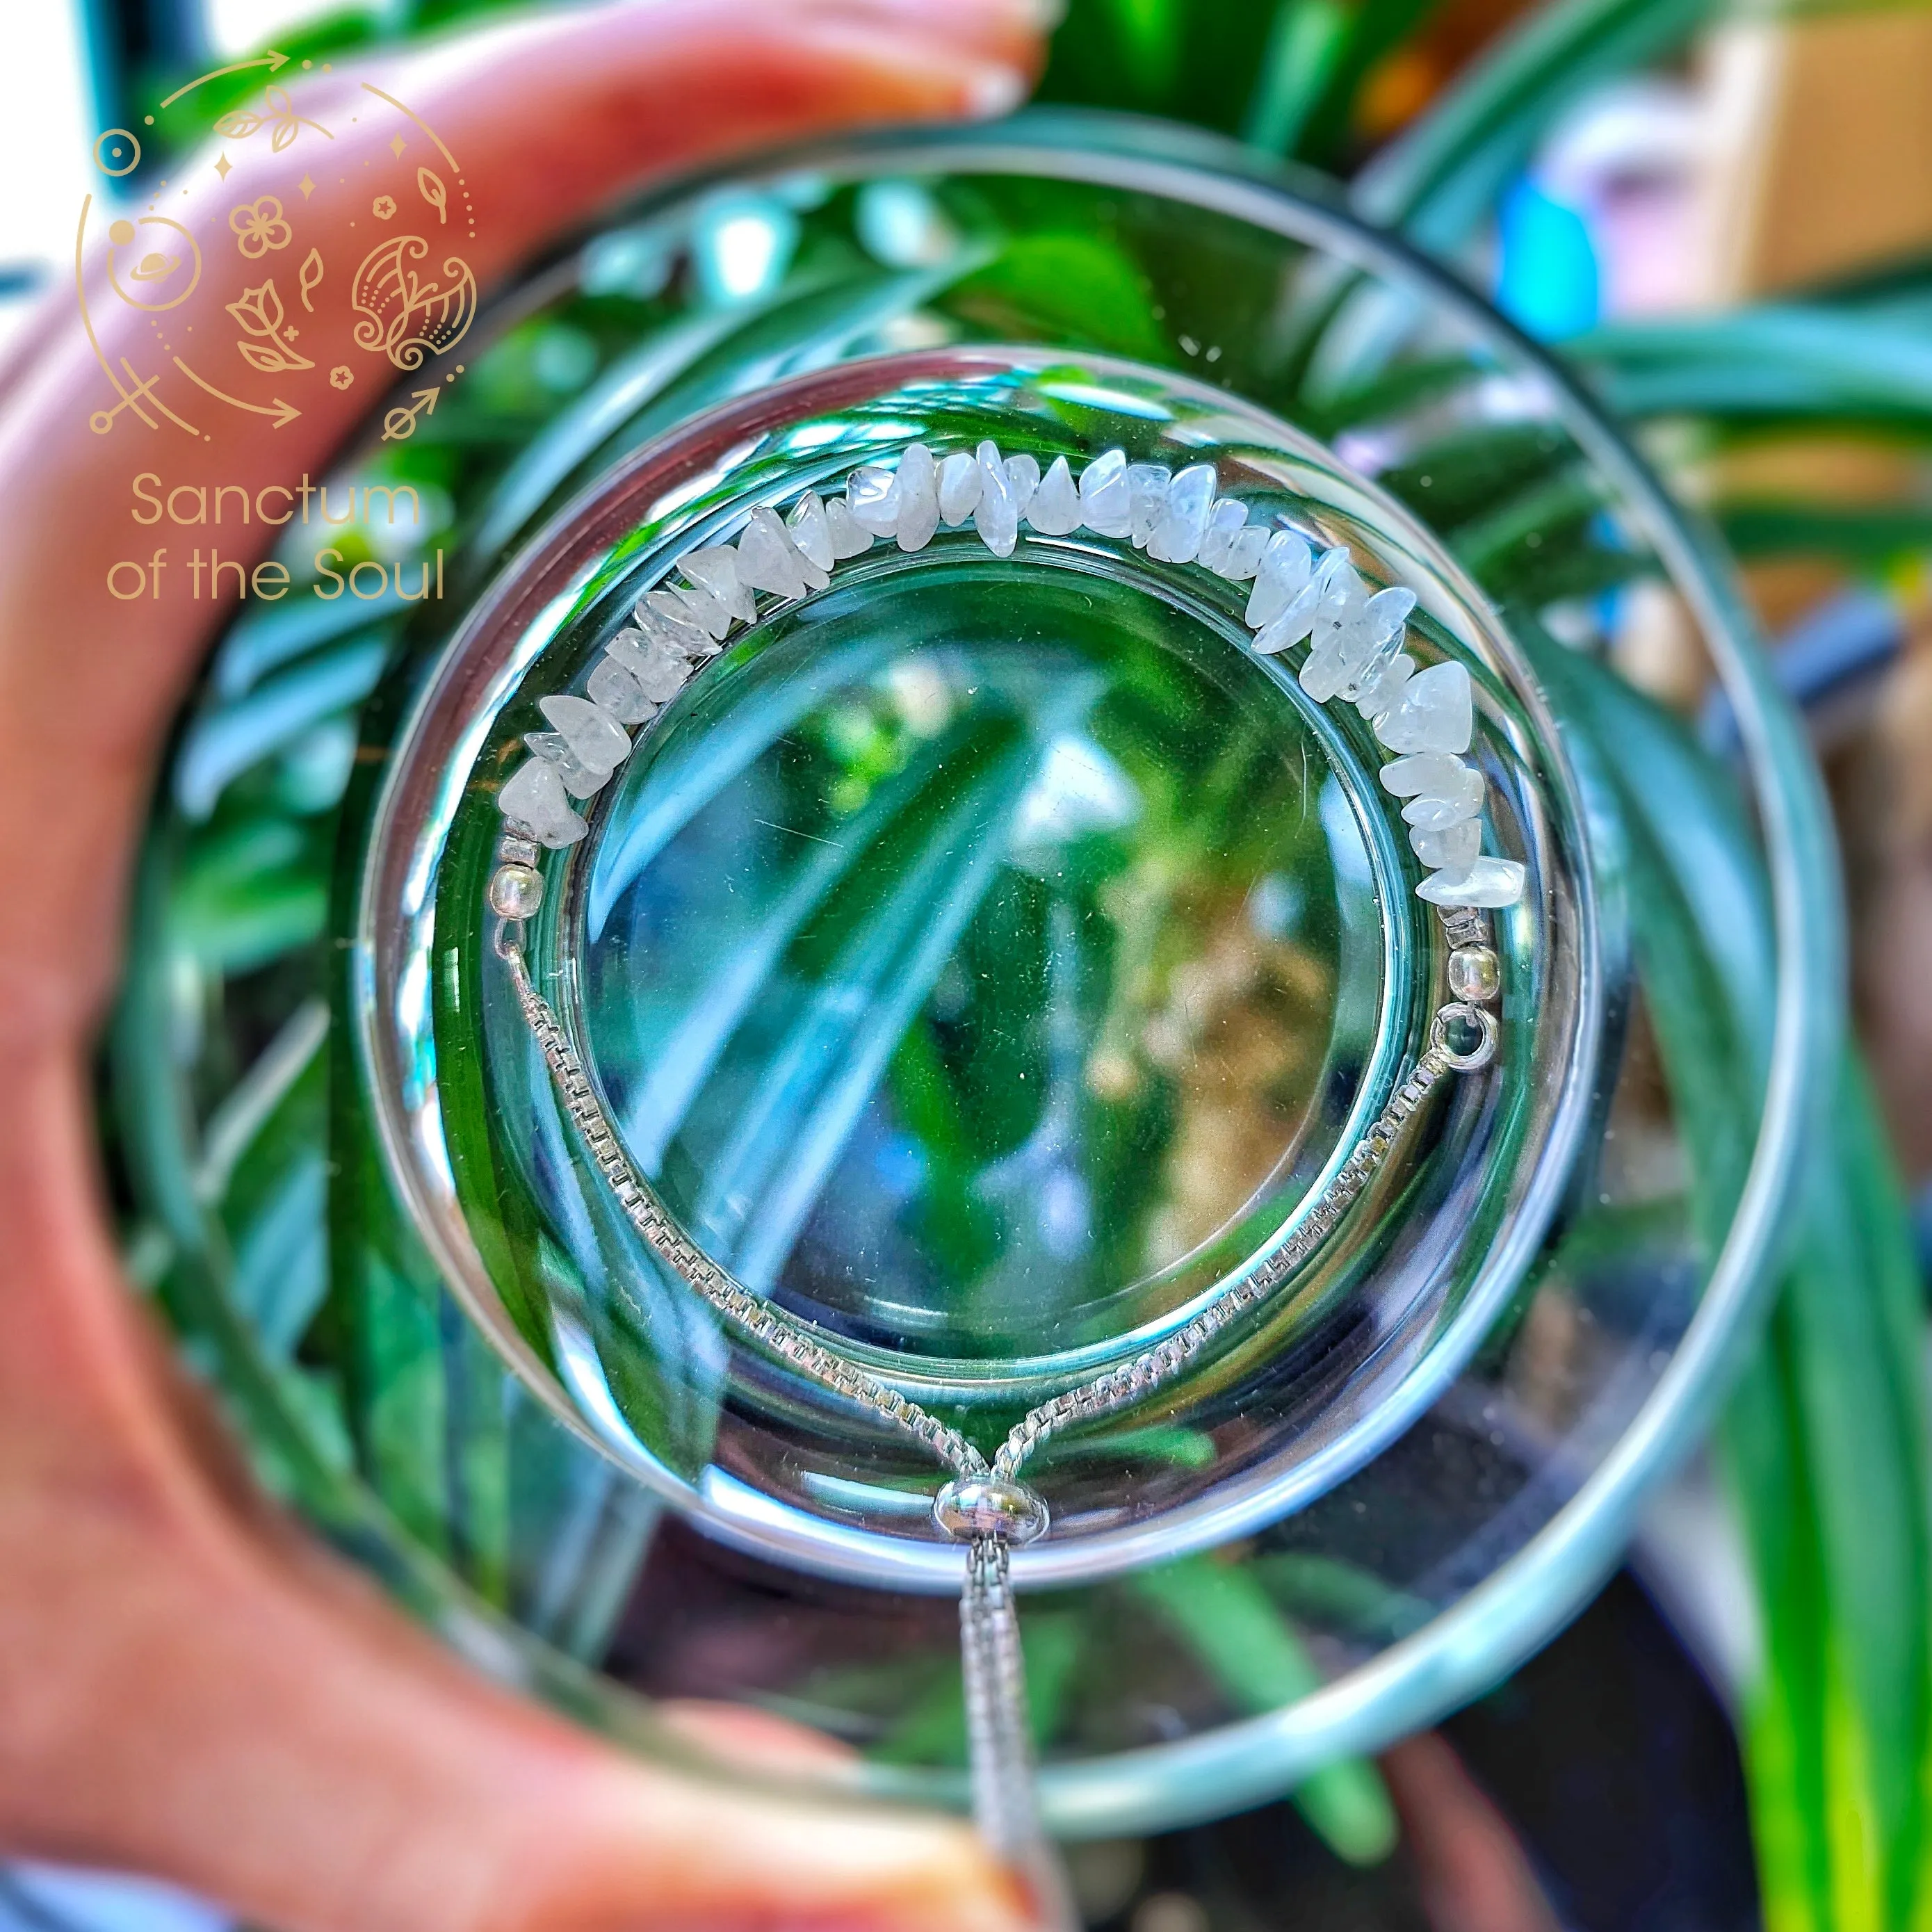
[(516, 892), (974, 1507), (1475, 974)]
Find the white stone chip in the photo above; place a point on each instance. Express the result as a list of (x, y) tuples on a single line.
[(807, 528), (872, 495), (1294, 623), (1023, 475), (715, 569), (662, 670), (1105, 507), (1379, 691), (1427, 775), (1055, 510), (1146, 499), (580, 780), (660, 616), (1339, 643), (711, 616), (1448, 848), (1245, 553), (959, 488), (996, 516), (1489, 882), (1178, 529), (768, 559), (1286, 564), (620, 694), (533, 796), (918, 497), (1435, 713), (1388, 610), (850, 538), (1226, 523), (595, 737)]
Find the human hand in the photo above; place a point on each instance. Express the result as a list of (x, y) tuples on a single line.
[(188, 1687)]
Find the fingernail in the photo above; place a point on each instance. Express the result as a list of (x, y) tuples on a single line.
[(992, 92)]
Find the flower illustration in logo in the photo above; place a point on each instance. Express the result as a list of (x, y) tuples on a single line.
[(341, 375), (383, 207), (259, 313), (258, 226)]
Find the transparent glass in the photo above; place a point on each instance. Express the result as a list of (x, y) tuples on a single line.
[(851, 952)]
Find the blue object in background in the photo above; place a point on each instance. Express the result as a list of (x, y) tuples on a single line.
[(1546, 279)]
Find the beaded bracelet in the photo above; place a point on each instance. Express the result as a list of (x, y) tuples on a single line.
[(1355, 636), (1425, 717)]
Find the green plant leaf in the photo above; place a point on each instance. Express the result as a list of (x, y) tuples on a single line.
[(1224, 1614), (1826, 1441)]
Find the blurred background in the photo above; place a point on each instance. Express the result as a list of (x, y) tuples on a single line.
[(1724, 217)]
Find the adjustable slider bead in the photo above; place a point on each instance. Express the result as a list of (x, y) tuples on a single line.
[(972, 1508), (516, 892), (1475, 974)]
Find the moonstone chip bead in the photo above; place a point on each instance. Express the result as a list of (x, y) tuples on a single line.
[(714, 569), (1489, 882), (808, 527), (996, 516), (533, 796), (710, 616), (1380, 689), (1146, 499), (1426, 775), (872, 495), (1340, 642), (1388, 610), (959, 488), (1227, 522), (1054, 510), (1280, 578), (1023, 473), (1448, 848), (580, 780), (1296, 621), (918, 497), (620, 694), (850, 538), (1434, 713), (596, 738), (768, 559), (660, 670), (1178, 531), (1105, 507), (660, 615), (1465, 801)]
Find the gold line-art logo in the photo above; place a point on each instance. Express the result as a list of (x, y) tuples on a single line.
[(393, 307)]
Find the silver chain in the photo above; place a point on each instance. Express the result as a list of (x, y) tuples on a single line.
[(986, 1505)]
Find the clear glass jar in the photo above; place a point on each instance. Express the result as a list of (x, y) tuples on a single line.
[(961, 985)]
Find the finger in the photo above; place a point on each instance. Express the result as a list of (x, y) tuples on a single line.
[(185, 1697), (549, 117)]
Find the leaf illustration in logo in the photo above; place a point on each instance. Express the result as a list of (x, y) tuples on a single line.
[(310, 277), (429, 185), (281, 115)]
